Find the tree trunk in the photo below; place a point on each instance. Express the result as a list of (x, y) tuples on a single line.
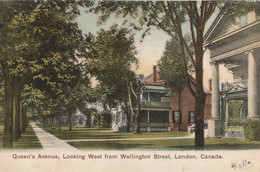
[(8, 126), (200, 95), (137, 115), (70, 121), (137, 128), (199, 113), (17, 101), (179, 106), (24, 118)]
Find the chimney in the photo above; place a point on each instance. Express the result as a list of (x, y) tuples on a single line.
[(154, 73), (141, 76), (210, 84)]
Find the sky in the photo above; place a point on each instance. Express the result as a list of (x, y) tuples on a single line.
[(151, 48)]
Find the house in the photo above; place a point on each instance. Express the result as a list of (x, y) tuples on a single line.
[(155, 111), (236, 45), (182, 107), (78, 119), (166, 109)]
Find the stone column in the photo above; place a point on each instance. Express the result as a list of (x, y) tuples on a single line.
[(148, 121), (252, 86), (215, 91), (215, 124)]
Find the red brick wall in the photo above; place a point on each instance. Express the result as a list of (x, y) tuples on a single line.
[(187, 104)]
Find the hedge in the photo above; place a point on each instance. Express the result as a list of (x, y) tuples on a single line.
[(252, 130)]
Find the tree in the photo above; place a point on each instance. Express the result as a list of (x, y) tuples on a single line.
[(172, 68), (113, 58), (171, 65)]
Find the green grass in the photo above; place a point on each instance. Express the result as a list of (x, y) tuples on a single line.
[(28, 140), (95, 133), (182, 144)]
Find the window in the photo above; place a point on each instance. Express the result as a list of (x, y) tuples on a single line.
[(243, 20), (155, 97), (191, 117), (177, 116)]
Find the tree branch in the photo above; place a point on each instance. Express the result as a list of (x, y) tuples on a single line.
[(183, 43)]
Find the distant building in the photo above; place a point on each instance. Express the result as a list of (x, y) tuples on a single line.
[(76, 120)]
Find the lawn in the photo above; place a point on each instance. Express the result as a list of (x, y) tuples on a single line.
[(99, 133), (182, 144), (28, 139)]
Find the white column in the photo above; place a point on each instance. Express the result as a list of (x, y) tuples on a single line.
[(148, 121), (215, 124), (215, 91), (252, 86)]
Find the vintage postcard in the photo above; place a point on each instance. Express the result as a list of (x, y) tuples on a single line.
[(129, 86)]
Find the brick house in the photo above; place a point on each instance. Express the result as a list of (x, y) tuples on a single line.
[(161, 108), (182, 107)]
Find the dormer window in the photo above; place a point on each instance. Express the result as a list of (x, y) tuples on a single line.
[(243, 20)]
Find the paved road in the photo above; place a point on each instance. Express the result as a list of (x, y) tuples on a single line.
[(50, 142)]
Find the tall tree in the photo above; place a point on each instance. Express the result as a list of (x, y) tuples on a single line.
[(114, 58)]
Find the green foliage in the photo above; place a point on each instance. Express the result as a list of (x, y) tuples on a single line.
[(40, 43), (235, 112), (112, 62), (171, 65), (104, 120), (239, 8), (252, 130)]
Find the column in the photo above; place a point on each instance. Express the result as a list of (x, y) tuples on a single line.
[(252, 86), (148, 121), (215, 124), (215, 91)]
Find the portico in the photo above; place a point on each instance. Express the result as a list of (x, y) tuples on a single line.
[(238, 49)]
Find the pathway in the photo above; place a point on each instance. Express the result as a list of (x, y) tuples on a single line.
[(50, 142)]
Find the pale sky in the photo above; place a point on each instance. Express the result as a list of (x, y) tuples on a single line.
[(149, 51), (151, 48)]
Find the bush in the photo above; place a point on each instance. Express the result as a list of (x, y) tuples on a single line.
[(252, 130)]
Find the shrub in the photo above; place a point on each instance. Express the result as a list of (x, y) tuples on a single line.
[(252, 130)]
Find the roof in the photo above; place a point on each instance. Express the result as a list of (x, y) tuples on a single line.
[(214, 25), (156, 88)]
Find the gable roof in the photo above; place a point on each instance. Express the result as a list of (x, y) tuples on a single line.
[(214, 25)]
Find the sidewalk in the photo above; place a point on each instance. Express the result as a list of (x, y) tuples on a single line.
[(50, 142)]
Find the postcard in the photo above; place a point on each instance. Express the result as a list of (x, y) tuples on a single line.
[(129, 86)]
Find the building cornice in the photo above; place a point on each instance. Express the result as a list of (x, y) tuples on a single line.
[(221, 37), (236, 51)]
